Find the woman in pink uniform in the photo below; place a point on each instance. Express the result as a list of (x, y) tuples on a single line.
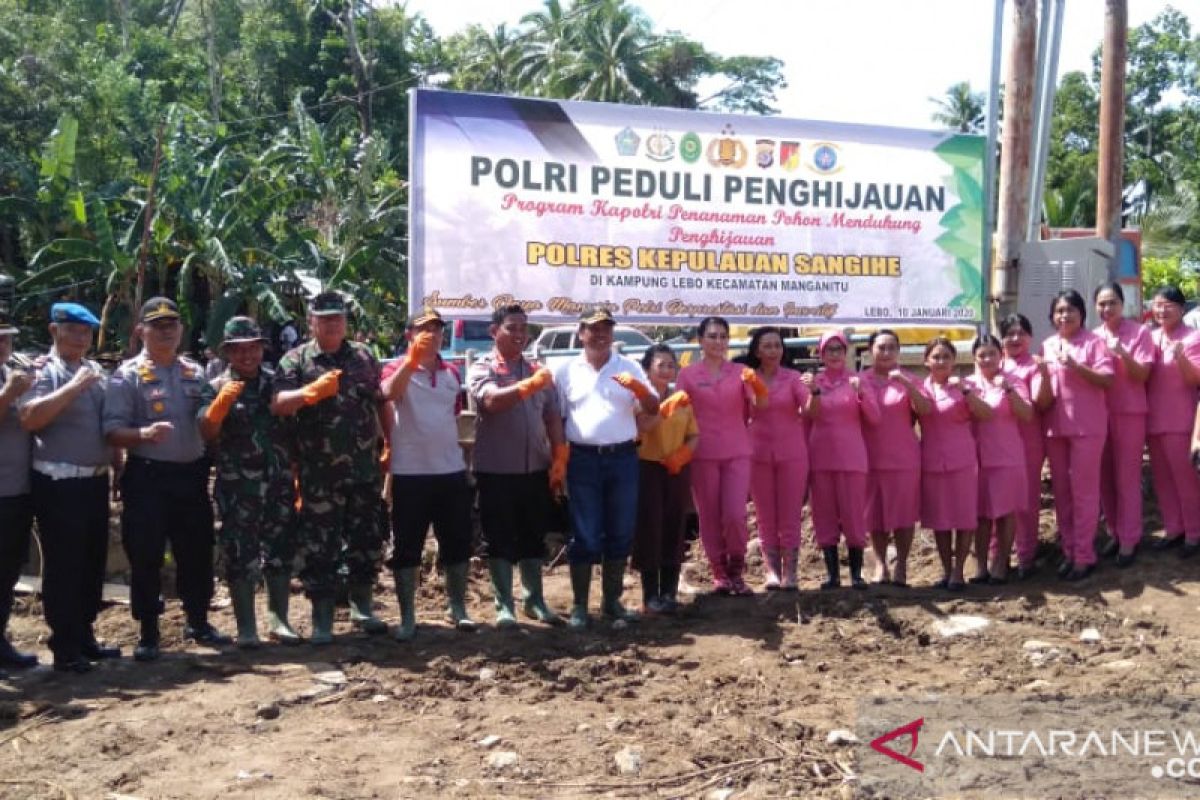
[(1081, 369), (838, 457), (1132, 349), (1017, 333), (779, 470), (949, 467), (1171, 396), (1002, 488), (722, 394), (894, 454)]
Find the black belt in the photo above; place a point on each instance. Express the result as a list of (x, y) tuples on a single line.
[(605, 449), (168, 467)]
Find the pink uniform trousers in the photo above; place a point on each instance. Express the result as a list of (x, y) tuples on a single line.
[(893, 499), (1026, 536), (1075, 475), (838, 499), (1121, 477), (1176, 484), (778, 489), (720, 488)]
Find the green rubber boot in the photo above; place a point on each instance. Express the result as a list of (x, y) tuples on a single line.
[(322, 621), (502, 577), (406, 593), (581, 584), (456, 594), (535, 601), (362, 609), (612, 580), (241, 594), (279, 594)]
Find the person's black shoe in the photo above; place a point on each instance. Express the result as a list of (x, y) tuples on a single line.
[(11, 657), (98, 652), (1081, 573), (1188, 550), (1125, 561), (204, 633), (1167, 542), (78, 665), (1065, 568), (146, 650), (1110, 549), (1025, 573)]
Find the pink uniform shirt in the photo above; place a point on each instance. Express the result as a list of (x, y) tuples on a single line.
[(777, 431), (1026, 369), (947, 443), (999, 438), (1080, 409), (1127, 396), (893, 443), (1172, 401), (836, 443), (721, 406)]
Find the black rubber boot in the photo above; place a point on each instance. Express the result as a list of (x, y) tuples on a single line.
[(650, 588), (856, 563), (831, 567)]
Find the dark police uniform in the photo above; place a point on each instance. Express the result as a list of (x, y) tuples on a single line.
[(16, 507)]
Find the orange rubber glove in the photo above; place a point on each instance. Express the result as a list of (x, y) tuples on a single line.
[(677, 459), (322, 388), (219, 408), (751, 379), (423, 345), (674, 401), (558, 467), (632, 384), (535, 383)]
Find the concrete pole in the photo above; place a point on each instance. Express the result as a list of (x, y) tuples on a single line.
[(1110, 178), (1015, 156)]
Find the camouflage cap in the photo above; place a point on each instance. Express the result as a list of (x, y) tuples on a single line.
[(159, 308), (326, 304), (596, 314), (6, 324), (426, 314), (241, 329)]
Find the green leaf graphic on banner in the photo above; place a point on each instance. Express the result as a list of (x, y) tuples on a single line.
[(962, 223)]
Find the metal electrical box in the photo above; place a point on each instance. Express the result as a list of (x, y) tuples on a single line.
[(1049, 266)]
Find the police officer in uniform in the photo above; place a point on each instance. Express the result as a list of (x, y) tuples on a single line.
[(16, 506), (151, 410), (255, 489), (65, 413), (331, 384)]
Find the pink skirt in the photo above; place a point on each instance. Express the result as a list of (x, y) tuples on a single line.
[(1002, 491), (950, 500), (893, 499)]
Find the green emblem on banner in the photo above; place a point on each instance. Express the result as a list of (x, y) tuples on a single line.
[(690, 148)]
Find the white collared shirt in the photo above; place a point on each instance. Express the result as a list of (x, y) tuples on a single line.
[(597, 409)]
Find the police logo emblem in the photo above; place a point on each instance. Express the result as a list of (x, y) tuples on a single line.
[(727, 151), (764, 152)]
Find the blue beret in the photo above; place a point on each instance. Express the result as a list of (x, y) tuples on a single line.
[(73, 312)]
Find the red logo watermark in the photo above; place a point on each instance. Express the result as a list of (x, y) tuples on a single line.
[(879, 745)]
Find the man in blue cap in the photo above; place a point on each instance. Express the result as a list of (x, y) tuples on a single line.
[(16, 506), (65, 413), (151, 410)]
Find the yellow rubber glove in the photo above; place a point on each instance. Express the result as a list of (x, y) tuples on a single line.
[(677, 459), (633, 384), (322, 388), (751, 379), (423, 345), (674, 401), (535, 383), (558, 467), (219, 408)]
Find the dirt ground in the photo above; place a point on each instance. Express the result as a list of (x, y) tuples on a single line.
[(734, 697)]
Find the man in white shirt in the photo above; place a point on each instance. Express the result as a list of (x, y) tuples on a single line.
[(600, 393)]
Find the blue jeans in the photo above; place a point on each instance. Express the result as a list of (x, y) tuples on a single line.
[(603, 492)]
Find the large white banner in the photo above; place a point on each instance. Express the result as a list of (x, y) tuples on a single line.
[(668, 216)]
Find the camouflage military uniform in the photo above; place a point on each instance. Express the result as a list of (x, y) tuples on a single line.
[(255, 489), (338, 445)]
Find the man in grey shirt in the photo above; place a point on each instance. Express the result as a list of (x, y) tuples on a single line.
[(65, 412), (151, 410), (16, 507)]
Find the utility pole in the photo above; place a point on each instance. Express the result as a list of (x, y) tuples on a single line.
[(1015, 160), (1110, 176)]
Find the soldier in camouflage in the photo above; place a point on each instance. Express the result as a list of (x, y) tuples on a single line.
[(255, 490), (331, 385)]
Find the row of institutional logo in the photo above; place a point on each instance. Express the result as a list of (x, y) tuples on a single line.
[(729, 152)]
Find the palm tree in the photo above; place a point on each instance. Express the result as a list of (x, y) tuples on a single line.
[(609, 62), (961, 109), (544, 47), (490, 60)]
